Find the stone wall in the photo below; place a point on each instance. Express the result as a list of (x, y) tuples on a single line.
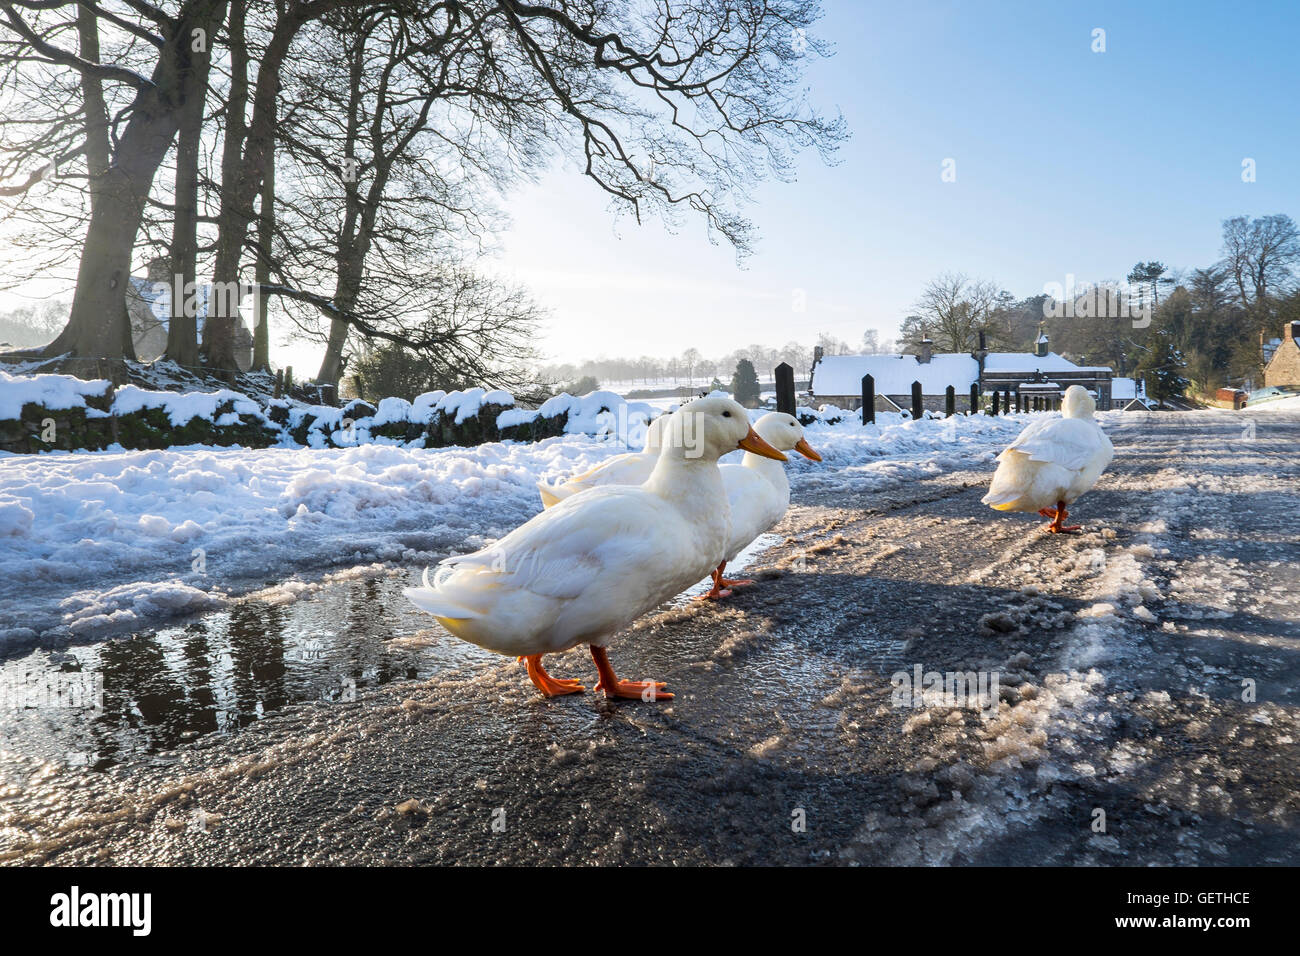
[(1284, 367), (97, 423)]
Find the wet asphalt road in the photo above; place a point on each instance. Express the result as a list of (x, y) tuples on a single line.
[(1121, 737)]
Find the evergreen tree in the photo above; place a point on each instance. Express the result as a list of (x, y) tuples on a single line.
[(744, 384), (1162, 368)]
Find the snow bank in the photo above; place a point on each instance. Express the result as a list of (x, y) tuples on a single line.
[(596, 412), (97, 542), (1277, 405)]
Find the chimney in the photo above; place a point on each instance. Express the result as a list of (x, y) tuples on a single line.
[(817, 355), (927, 350), (159, 269), (1040, 346)]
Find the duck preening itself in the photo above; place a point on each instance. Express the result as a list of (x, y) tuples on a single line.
[(581, 571)]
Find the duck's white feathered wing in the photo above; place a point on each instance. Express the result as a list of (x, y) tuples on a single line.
[(1052, 460), (632, 468), (574, 570)]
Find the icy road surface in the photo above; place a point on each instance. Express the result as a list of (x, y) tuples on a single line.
[(1148, 679)]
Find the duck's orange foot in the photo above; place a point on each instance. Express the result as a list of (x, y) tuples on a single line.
[(722, 586), (736, 582), (647, 690), (548, 685), (1058, 525)]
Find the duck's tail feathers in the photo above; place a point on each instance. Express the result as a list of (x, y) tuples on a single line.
[(549, 497), (1001, 500), (429, 599), (553, 494)]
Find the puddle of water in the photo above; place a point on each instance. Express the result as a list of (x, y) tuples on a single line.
[(218, 673), (147, 693)]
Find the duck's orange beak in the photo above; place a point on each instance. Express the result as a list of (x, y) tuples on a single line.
[(758, 446), (805, 449)]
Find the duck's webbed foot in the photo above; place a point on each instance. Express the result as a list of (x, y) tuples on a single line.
[(1058, 525), (722, 586), (647, 690), (548, 685)]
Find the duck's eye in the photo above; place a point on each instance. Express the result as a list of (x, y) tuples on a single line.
[(726, 414)]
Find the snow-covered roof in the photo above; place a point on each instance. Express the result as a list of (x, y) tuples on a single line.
[(1029, 362), (894, 374), (1122, 389)]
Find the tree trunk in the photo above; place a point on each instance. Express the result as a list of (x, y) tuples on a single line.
[(98, 326), (239, 192), (182, 329), (265, 236), (92, 95), (98, 329), (218, 350)]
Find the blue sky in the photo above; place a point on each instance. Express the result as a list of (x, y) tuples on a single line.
[(1066, 160)]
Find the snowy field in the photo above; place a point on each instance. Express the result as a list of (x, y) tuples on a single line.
[(98, 543)]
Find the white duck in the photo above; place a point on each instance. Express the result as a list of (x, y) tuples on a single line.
[(758, 492), (578, 573), (632, 468), (1053, 462)]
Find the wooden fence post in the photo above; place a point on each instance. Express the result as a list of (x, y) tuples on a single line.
[(949, 401), (993, 406), (785, 388), (868, 400), (279, 383), (916, 401), (974, 398)]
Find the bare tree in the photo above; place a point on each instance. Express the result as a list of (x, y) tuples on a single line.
[(140, 136), (670, 108), (1260, 255), (953, 310)]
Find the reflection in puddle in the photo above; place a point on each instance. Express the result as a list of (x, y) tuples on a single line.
[(223, 671)]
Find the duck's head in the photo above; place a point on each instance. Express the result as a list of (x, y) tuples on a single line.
[(709, 428), (784, 433), (1077, 403)]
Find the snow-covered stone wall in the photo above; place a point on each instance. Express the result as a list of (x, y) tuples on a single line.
[(48, 412)]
